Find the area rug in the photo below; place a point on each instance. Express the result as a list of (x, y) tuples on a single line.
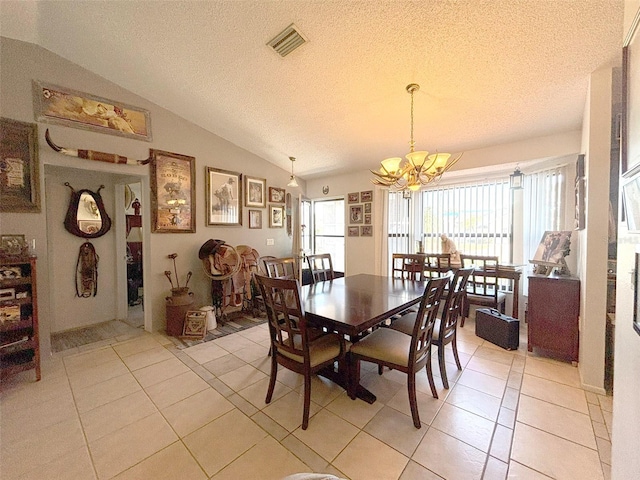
[(235, 322)]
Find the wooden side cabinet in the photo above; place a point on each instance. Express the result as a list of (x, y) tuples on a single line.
[(552, 316), (19, 342)]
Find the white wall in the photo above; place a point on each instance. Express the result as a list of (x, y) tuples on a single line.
[(20, 63), (626, 382)]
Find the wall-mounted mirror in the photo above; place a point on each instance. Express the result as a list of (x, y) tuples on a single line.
[(86, 215)]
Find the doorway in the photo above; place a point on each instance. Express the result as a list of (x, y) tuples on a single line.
[(134, 254)]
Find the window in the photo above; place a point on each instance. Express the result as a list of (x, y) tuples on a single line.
[(477, 217), (328, 230)]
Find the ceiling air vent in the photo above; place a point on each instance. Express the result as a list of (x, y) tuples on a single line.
[(287, 41)]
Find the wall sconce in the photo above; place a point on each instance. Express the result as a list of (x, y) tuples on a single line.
[(516, 179)]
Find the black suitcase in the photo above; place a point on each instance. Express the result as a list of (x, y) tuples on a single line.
[(498, 328)]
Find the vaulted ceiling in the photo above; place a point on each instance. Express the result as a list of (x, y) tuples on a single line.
[(490, 71)]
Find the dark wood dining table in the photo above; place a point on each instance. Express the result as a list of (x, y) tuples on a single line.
[(352, 305)]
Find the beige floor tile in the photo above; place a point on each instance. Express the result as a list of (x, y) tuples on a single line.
[(465, 426), (554, 392), (159, 372), (45, 414), (205, 352), (136, 345), (474, 401), (39, 448), (501, 443), (233, 342), (559, 421), (495, 470), (220, 442), (26, 394), (467, 347), (114, 415), (224, 364), (592, 398), (327, 434), (256, 393), (152, 356), (553, 370), (175, 389), (483, 383), (290, 379), (520, 472), (93, 375), (270, 426), (600, 430), (193, 412), (323, 391), (287, 410), (256, 334), (396, 430), (489, 367), (87, 360), (606, 403), (538, 450), (510, 398), (507, 418), (428, 406), (269, 458), (102, 393), (170, 463), (315, 462), (356, 412), (604, 450), (449, 457), (596, 413), (75, 465), (263, 364), (494, 353), (358, 463), (415, 471), (383, 388), (515, 380), (120, 450), (252, 352), (242, 377)]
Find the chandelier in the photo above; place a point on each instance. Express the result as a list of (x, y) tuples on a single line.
[(418, 169)]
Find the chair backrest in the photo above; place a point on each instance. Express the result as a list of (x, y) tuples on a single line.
[(484, 280), (410, 266), (321, 267), (453, 304), (437, 264), (285, 313), (281, 267), (426, 318)]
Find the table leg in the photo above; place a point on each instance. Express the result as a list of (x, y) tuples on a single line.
[(347, 378), (516, 296)]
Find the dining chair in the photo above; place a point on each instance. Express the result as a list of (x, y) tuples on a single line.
[(281, 267), (294, 344), (410, 266), (321, 267), (445, 330), (437, 264), (407, 354), (482, 288)]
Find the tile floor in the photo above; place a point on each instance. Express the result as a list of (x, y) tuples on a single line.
[(141, 408)]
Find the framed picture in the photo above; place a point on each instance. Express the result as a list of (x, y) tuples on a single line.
[(172, 193), (276, 216), (19, 173), (553, 247), (63, 106), (630, 147), (580, 203), (255, 218), (224, 197), (276, 195), (367, 219), (367, 207), (13, 245), (355, 214), (195, 325), (631, 203), (366, 196), (353, 197), (366, 231), (255, 192), (354, 231)]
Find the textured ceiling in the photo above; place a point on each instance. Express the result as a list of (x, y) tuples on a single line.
[(490, 71)]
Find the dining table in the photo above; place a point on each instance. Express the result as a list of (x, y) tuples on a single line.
[(352, 305)]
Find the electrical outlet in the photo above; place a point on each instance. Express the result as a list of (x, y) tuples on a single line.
[(270, 241)]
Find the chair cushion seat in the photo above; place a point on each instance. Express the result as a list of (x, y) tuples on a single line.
[(321, 349), (406, 323), (487, 300), (385, 344)]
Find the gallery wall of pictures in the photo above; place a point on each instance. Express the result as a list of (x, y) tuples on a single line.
[(360, 205)]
